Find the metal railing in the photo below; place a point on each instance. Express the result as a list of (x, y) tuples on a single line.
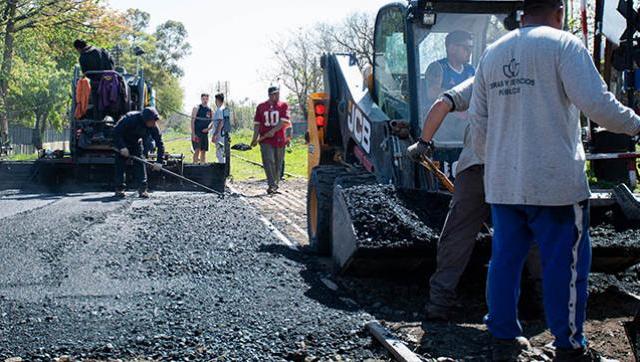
[(21, 139)]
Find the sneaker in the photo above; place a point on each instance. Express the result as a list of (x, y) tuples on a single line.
[(143, 194), (580, 355), (120, 194), (509, 349)]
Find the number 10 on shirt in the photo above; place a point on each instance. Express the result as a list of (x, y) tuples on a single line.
[(271, 118)]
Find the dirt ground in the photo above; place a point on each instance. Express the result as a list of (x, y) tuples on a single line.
[(398, 303)]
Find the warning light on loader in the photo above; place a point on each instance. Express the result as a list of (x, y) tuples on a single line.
[(320, 111)]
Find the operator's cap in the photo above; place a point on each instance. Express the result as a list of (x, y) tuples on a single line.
[(531, 5), (150, 114), (273, 90), (459, 37)]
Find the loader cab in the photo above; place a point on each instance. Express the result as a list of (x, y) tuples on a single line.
[(410, 46)]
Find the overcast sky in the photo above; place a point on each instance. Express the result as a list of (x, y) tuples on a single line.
[(230, 39)]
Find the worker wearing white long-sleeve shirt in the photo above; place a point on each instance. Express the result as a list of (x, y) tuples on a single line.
[(527, 130)]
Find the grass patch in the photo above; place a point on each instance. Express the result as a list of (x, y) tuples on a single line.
[(23, 157), (295, 157)]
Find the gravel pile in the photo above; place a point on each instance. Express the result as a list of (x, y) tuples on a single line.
[(178, 277), (386, 218)]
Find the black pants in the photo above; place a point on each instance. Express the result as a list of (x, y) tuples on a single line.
[(139, 170)]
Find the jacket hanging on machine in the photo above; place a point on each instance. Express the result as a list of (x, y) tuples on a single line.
[(83, 93), (109, 92)]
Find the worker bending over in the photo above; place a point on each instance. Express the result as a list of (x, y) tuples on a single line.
[(523, 113), (129, 135), (271, 120)]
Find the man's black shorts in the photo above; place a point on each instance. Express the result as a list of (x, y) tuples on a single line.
[(202, 144)]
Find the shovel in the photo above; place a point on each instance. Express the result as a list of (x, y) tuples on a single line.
[(431, 167), (628, 203)]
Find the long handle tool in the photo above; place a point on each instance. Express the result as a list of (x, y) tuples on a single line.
[(430, 166), (138, 159)]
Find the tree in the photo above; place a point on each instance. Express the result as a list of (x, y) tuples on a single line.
[(169, 96), (172, 46), (298, 54), (137, 20), (46, 16), (298, 65), (39, 90), (355, 35)]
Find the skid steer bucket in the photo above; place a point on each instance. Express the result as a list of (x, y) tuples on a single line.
[(632, 330), (381, 230), (628, 203)]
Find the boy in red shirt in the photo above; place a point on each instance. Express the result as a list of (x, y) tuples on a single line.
[(270, 122)]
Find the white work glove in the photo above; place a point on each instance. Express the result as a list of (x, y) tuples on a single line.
[(156, 167), (124, 152)]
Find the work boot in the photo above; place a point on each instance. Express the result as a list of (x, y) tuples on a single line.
[(120, 194), (144, 194), (509, 349), (437, 313), (580, 355)]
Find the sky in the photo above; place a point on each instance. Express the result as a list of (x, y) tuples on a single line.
[(230, 39)]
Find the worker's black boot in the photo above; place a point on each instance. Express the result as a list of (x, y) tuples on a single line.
[(143, 193), (120, 194), (437, 313), (579, 355), (509, 349)]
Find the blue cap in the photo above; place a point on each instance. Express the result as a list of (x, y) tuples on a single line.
[(150, 114)]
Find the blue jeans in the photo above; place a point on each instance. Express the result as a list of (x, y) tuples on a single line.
[(562, 235)]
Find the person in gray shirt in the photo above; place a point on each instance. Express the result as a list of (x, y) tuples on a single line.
[(468, 210), (528, 87)]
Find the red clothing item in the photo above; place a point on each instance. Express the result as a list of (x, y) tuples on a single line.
[(83, 92), (268, 115)]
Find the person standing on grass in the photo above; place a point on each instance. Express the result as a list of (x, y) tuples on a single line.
[(528, 87), (218, 138), (271, 120), (201, 125)]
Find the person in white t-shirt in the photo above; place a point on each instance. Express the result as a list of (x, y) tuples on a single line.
[(218, 138)]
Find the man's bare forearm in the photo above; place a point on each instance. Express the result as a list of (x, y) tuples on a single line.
[(280, 125), (256, 133), (219, 128), (436, 116)]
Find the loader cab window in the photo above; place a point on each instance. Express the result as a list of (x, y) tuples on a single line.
[(390, 69), (448, 54)]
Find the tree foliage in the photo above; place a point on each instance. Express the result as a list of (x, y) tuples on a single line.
[(163, 49), (38, 58), (171, 46)]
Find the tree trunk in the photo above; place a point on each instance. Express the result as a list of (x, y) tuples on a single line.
[(5, 69), (40, 129)]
